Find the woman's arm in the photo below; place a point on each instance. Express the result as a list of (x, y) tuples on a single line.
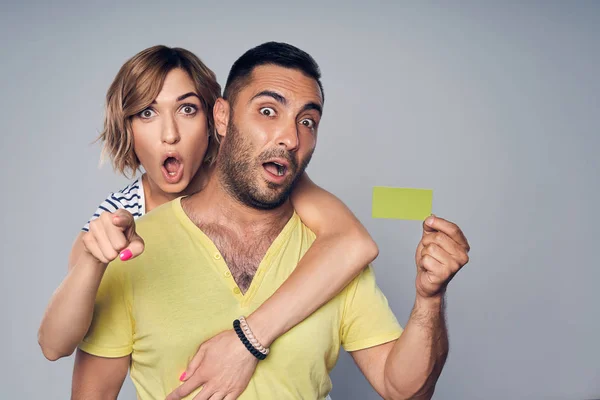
[(341, 250), (98, 378), (343, 247), (69, 313)]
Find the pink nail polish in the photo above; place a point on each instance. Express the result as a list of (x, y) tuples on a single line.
[(182, 377), (125, 255), (430, 221)]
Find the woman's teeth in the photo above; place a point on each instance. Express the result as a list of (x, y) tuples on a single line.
[(172, 166)]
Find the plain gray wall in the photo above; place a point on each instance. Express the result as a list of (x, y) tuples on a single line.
[(493, 106)]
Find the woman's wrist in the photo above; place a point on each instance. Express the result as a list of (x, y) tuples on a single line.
[(243, 331), (264, 329)]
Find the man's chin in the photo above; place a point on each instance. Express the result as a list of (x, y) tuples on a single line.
[(270, 202), (271, 197)]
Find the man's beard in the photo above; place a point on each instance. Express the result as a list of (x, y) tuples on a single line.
[(239, 171)]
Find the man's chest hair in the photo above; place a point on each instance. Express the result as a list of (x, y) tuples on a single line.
[(242, 251)]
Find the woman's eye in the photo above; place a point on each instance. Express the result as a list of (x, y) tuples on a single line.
[(309, 123), (147, 113), (267, 112), (189, 109)]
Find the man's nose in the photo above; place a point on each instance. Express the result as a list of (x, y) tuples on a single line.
[(288, 136)]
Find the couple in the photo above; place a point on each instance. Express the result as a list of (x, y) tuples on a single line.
[(233, 245)]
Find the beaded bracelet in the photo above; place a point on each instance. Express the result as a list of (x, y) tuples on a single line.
[(254, 351), (248, 332), (245, 341)]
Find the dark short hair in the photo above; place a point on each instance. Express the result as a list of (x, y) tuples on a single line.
[(270, 53)]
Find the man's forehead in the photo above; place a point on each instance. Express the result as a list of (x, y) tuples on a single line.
[(291, 83)]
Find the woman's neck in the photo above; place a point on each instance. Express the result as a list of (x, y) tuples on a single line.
[(155, 196)]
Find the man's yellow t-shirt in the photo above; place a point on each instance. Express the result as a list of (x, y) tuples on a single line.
[(160, 306)]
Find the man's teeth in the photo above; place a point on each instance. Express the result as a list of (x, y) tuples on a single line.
[(280, 169)]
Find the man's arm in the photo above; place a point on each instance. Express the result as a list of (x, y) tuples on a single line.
[(98, 378), (409, 367), (339, 253)]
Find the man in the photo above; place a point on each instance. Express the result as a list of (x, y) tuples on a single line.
[(220, 253)]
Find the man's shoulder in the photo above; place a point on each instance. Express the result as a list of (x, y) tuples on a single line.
[(162, 233), (161, 216), (301, 228)]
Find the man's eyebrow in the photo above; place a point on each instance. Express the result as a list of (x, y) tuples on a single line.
[(184, 96), (313, 106), (280, 99), (268, 93)]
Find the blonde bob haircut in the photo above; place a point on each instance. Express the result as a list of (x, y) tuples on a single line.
[(137, 85)]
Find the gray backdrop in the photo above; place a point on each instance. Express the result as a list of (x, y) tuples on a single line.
[(494, 106)]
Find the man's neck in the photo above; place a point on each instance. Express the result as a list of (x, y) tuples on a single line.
[(215, 205), (241, 233)]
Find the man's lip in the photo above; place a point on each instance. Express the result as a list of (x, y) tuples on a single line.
[(276, 178), (281, 161)]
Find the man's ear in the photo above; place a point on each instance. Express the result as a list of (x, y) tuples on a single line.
[(221, 116)]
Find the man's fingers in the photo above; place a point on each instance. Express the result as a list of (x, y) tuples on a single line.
[(436, 252), (434, 271), (448, 245), (428, 225), (434, 223)]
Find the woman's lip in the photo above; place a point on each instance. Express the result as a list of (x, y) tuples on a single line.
[(171, 154), (173, 178)]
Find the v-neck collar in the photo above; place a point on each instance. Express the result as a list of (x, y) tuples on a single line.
[(218, 262)]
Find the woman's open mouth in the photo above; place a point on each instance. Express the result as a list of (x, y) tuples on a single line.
[(172, 169)]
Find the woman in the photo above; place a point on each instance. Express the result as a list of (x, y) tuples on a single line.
[(159, 117)]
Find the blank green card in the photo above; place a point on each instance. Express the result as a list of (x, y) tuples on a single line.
[(401, 203)]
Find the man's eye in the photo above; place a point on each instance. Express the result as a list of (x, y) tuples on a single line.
[(309, 123), (147, 113), (267, 111)]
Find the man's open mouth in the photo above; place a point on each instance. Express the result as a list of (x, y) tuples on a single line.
[(275, 168)]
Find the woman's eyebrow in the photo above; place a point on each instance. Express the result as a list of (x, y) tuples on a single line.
[(184, 96)]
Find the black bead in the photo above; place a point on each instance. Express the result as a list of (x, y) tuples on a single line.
[(246, 342)]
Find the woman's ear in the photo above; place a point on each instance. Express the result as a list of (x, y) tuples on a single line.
[(221, 116)]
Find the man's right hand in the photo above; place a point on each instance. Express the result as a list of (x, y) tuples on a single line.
[(111, 235)]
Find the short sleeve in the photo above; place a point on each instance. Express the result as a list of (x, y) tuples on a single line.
[(111, 331), (111, 204), (367, 320)]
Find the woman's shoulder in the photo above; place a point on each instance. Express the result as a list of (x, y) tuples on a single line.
[(130, 198), (132, 193)]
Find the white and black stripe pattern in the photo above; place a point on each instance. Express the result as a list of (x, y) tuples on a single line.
[(130, 198)]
